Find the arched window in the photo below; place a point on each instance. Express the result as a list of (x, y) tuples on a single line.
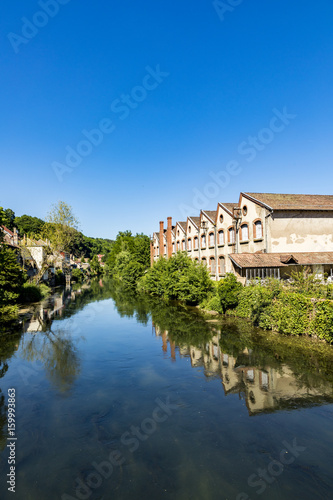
[(203, 241), (244, 232), (231, 235), (173, 247), (178, 246), (211, 239), (221, 265), (212, 265), (195, 243), (183, 244), (257, 229), (204, 260), (221, 237), (189, 244)]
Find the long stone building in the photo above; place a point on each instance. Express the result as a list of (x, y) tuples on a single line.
[(263, 234)]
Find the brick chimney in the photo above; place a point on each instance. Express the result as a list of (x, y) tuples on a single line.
[(15, 239), (169, 238), (162, 238)]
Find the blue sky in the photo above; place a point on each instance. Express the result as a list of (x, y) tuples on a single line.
[(180, 90)]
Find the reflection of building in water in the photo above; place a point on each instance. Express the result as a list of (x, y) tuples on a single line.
[(48, 309), (263, 388), (165, 341), (268, 389)]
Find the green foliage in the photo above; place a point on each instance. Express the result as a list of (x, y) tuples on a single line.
[(177, 278), (33, 293), (7, 218), (229, 290), (95, 267), (77, 276), (59, 278), (322, 323), (290, 310), (30, 293), (31, 226), (138, 246), (61, 226), (132, 272), (304, 281), (128, 259), (11, 279)]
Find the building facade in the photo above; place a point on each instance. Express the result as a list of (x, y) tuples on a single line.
[(263, 234)]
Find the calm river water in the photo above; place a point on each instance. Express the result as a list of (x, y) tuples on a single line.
[(120, 397)]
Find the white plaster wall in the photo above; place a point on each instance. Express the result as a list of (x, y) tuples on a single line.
[(37, 254), (301, 231)]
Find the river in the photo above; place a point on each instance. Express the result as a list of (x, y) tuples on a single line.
[(123, 397)]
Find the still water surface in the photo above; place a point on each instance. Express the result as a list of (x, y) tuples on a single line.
[(126, 398)]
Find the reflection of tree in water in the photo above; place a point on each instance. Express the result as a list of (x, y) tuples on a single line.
[(57, 352), (9, 345), (184, 325), (310, 363)]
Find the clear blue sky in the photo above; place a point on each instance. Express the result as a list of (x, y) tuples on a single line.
[(226, 74)]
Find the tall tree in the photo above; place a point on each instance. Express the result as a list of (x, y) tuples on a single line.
[(11, 279), (62, 226), (7, 217), (29, 225)]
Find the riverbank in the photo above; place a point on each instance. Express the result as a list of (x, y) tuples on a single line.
[(303, 308)]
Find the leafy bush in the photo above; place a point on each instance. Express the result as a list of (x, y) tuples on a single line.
[(30, 293), (322, 323), (59, 278), (77, 275), (33, 293), (228, 290), (132, 272), (177, 278)]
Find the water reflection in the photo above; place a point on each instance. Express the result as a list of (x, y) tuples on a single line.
[(264, 386), (268, 372), (9, 346)]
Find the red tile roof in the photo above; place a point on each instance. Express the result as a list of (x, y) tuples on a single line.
[(229, 206), (196, 221), (293, 201), (6, 230), (183, 225), (211, 214), (244, 260)]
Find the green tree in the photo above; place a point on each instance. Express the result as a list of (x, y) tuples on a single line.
[(228, 290), (61, 226), (32, 226), (177, 278), (11, 280), (95, 267)]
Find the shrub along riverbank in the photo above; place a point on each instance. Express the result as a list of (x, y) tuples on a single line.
[(302, 307)]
